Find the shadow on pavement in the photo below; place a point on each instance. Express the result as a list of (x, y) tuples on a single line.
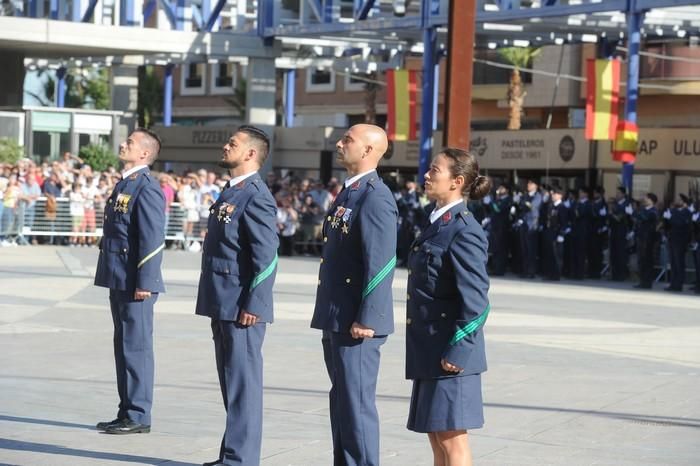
[(19, 445)]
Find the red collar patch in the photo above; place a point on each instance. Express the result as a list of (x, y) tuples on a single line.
[(240, 185), (355, 186), (446, 217)]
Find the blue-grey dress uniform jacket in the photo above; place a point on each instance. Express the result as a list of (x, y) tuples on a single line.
[(133, 239), (358, 261), (447, 302), (239, 259)]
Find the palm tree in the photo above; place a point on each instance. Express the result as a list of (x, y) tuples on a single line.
[(519, 57), (371, 87), (150, 96)]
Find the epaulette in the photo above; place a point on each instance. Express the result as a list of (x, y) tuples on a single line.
[(256, 182), (464, 214)]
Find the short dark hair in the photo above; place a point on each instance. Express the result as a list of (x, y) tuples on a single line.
[(153, 140), (476, 186), (260, 138), (652, 197)]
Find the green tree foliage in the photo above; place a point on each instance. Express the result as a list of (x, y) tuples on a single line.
[(238, 99), (10, 151), (150, 94), (98, 156), (85, 88), (519, 57)]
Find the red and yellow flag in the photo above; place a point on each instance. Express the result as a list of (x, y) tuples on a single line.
[(401, 103), (602, 98), (625, 144)]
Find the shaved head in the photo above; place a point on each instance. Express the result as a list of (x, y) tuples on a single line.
[(361, 148), (374, 137)]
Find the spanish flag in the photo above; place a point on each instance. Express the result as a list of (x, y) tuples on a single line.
[(625, 144), (602, 98), (401, 100)]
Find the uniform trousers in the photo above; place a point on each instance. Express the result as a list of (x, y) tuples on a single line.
[(677, 251), (353, 366), (133, 354), (239, 363)]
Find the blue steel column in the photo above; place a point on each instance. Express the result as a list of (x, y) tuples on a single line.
[(126, 13), (61, 87), (75, 11), (290, 89), (634, 25), (168, 96), (53, 9), (428, 114), (180, 15)]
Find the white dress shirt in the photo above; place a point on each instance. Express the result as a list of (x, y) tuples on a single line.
[(436, 214)]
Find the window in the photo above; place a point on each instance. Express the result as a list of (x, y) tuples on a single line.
[(351, 84), (192, 79), (223, 78), (320, 81)]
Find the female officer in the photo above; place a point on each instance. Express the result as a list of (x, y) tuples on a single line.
[(447, 305)]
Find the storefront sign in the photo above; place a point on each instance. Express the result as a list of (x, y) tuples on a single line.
[(661, 149)]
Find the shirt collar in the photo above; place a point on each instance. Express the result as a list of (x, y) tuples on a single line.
[(556, 203), (240, 178), (133, 170), (436, 214), (350, 181)]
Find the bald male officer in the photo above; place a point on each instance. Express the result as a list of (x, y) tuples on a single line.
[(129, 265), (354, 305), (239, 263)]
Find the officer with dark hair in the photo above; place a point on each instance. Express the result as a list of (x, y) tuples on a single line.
[(677, 222), (131, 252), (239, 264), (599, 233), (645, 221), (619, 227)]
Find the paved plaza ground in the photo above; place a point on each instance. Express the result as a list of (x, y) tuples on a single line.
[(580, 373)]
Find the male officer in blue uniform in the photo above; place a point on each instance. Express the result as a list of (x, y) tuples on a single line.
[(529, 223), (619, 227), (129, 265), (354, 306), (645, 223), (557, 227), (239, 264), (678, 223)]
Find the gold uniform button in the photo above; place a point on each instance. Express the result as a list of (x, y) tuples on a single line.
[(319, 282), (408, 296), (109, 201), (408, 321), (322, 260), (443, 315), (124, 250), (347, 280), (329, 218), (105, 216), (409, 272), (415, 249), (325, 239)]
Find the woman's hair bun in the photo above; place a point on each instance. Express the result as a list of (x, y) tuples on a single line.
[(480, 187)]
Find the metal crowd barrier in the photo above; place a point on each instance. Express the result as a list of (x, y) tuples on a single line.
[(22, 223)]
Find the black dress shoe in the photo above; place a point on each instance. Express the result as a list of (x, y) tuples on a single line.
[(127, 426), (105, 424), (643, 287), (212, 463)]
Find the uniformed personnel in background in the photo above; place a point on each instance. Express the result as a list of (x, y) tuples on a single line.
[(354, 305), (129, 264), (619, 218), (555, 232), (677, 222), (499, 229), (695, 246), (447, 306), (582, 229), (646, 219), (599, 233), (239, 265), (529, 232)]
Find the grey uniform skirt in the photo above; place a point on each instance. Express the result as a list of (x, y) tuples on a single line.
[(440, 405)]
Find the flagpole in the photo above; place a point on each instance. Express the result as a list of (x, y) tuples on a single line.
[(634, 24)]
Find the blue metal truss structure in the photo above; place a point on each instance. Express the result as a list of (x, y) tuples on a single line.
[(423, 21)]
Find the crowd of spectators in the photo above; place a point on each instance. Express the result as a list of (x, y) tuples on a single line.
[(302, 203)]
